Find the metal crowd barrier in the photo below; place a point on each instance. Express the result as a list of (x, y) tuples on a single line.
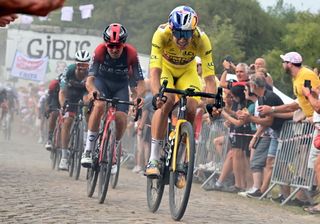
[(207, 153), (290, 167)]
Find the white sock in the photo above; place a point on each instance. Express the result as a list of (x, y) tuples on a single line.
[(65, 153), (90, 140), (156, 145)]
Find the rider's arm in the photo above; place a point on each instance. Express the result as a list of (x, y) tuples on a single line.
[(90, 84), (62, 97), (155, 80), (156, 59)]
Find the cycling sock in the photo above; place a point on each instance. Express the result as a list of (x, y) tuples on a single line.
[(155, 149), (50, 135), (64, 153), (90, 140)]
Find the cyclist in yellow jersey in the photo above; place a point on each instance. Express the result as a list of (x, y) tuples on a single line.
[(174, 47)]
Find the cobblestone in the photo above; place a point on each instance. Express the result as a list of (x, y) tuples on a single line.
[(30, 192)]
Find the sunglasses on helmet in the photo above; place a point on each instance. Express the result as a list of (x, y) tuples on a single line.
[(182, 34), (114, 46)]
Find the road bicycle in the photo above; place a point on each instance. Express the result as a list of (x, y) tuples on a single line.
[(178, 155), (76, 144), (103, 153)]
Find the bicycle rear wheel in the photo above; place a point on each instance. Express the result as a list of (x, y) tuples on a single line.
[(181, 179), (155, 188), (106, 162), (78, 151), (114, 177)]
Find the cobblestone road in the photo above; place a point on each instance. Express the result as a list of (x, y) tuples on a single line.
[(30, 192)]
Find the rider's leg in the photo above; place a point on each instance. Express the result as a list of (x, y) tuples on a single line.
[(51, 126), (93, 124), (121, 124), (52, 123), (159, 127), (65, 135)]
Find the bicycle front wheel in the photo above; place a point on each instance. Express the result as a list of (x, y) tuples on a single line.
[(71, 158), (106, 161), (93, 171), (181, 179), (79, 150), (155, 188)]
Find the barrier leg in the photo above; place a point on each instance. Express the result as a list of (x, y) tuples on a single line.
[(208, 179), (290, 196), (267, 191)]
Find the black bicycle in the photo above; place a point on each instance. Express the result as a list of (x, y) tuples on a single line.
[(76, 144), (178, 156)]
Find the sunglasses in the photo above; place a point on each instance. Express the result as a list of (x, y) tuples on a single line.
[(182, 34), (82, 65), (285, 62), (114, 46)]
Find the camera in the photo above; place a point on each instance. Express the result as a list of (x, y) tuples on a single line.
[(307, 84)]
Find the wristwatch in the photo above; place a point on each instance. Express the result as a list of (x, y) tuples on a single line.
[(273, 109)]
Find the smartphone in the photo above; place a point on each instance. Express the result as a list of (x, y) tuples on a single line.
[(307, 84)]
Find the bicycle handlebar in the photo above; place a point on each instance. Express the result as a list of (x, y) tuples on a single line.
[(191, 92), (115, 101)]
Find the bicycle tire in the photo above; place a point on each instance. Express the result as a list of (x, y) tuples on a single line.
[(72, 154), (115, 177), (53, 152), (106, 162), (53, 157), (58, 158), (93, 171), (177, 210), (155, 188), (79, 150)]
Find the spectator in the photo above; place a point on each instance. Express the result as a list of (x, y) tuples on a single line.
[(263, 143), (7, 19), (31, 7), (260, 63)]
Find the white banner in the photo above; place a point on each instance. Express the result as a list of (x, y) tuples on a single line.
[(29, 68)]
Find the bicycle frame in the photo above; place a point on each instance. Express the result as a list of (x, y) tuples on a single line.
[(109, 116)]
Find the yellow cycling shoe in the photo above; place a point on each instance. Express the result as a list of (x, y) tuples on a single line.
[(152, 169), (181, 181)]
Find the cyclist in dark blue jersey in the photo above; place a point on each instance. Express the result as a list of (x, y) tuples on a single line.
[(115, 65)]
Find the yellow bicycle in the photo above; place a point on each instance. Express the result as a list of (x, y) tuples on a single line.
[(178, 155)]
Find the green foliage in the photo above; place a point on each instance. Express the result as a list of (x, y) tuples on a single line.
[(240, 28)]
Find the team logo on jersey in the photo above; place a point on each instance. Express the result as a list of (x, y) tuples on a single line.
[(208, 52), (156, 46), (211, 66), (153, 57), (188, 53)]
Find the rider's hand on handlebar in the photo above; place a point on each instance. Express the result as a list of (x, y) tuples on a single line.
[(158, 102), (140, 104), (91, 93)]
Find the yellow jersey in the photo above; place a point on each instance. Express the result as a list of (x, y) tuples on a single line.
[(164, 50), (298, 82)]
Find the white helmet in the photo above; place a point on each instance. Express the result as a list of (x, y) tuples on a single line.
[(82, 56)]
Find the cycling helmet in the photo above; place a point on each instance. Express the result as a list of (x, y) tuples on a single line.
[(183, 18), (82, 56), (115, 33)]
